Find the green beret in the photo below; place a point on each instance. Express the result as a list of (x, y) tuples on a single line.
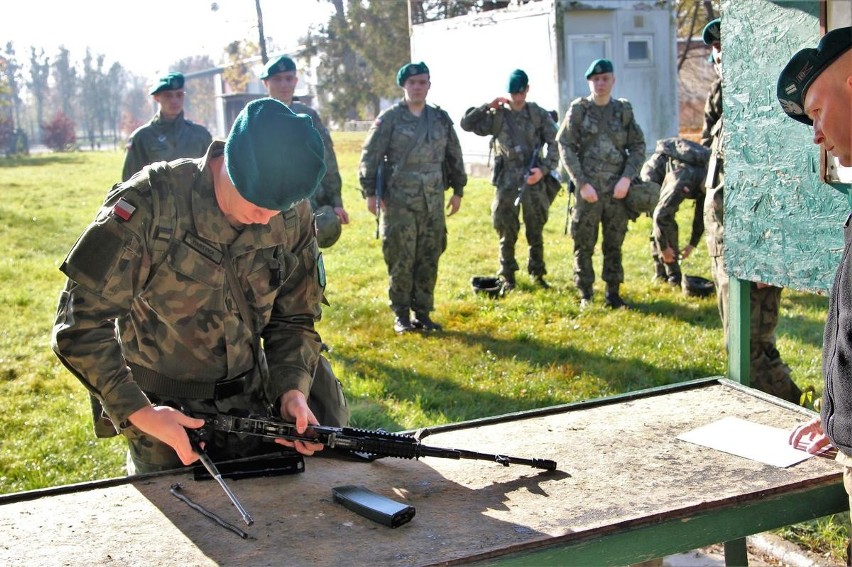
[(274, 157), (409, 70), (712, 32), (518, 81), (599, 66), (804, 67), (171, 82), (280, 65)]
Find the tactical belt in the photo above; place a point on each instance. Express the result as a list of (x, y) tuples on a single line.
[(156, 383)]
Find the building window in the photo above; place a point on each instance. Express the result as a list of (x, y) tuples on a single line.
[(638, 50)]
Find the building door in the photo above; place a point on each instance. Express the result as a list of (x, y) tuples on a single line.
[(582, 50)]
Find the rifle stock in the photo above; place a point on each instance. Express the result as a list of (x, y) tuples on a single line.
[(376, 443)]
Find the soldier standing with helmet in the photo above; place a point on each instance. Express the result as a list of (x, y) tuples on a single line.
[(603, 149), (416, 145), (768, 372), (169, 135), (519, 134), (280, 79)]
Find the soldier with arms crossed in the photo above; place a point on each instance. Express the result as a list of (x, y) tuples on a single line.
[(210, 269)]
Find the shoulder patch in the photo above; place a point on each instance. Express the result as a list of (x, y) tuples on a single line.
[(123, 210)]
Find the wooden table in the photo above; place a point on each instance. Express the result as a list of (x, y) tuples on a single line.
[(625, 491)]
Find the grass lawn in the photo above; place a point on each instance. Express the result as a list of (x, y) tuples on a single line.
[(531, 349)]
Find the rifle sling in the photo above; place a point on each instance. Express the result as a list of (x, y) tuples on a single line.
[(419, 135)]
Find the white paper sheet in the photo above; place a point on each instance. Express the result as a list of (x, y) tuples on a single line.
[(750, 440)]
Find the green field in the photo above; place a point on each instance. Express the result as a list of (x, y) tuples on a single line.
[(531, 349)]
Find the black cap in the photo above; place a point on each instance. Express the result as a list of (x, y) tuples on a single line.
[(803, 69)]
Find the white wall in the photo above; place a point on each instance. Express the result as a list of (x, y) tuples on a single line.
[(470, 59)]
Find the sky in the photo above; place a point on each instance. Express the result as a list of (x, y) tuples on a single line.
[(147, 36)]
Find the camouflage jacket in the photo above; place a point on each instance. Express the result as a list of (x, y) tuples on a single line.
[(714, 201), (589, 152), (533, 128), (434, 165), (164, 141), (683, 181), (152, 262), (712, 113), (329, 191)]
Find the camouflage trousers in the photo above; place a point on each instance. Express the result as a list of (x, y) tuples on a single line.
[(148, 454), (664, 270), (412, 244), (767, 371), (505, 216), (610, 214)]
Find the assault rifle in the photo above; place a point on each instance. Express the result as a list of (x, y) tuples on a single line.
[(569, 208), (532, 164), (364, 442), (380, 187)]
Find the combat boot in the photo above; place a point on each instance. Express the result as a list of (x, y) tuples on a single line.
[(613, 300), (585, 297), (508, 284), (402, 323), (422, 321), (538, 280)]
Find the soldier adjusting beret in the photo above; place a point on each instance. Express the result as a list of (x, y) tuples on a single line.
[(279, 65), (171, 82), (599, 66), (712, 32), (409, 70), (274, 157), (804, 67), (518, 81)]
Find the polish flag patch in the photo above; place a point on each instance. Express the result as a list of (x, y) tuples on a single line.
[(123, 210)]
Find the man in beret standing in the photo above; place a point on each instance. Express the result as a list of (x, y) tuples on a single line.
[(815, 88), (520, 131), (280, 79), (169, 135), (210, 269), (603, 149), (767, 370), (420, 153)]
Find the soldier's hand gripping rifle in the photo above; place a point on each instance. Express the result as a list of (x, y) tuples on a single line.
[(362, 441), (523, 186)]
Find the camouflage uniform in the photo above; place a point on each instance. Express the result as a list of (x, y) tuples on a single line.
[(329, 191), (592, 156), (768, 372), (413, 227), (534, 129), (680, 166), (152, 262), (162, 140)]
